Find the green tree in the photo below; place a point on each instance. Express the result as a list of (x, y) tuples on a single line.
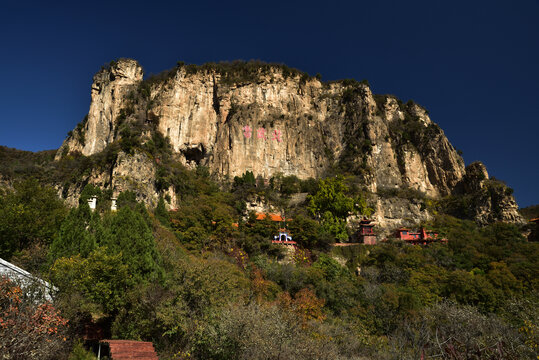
[(128, 232), (331, 197), (88, 192), (31, 214), (80, 353), (467, 288), (332, 205), (309, 234), (161, 212), (290, 185), (334, 226), (76, 235), (331, 269), (127, 198), (247, 179), (501, 277), (95, 285), (428, 282)]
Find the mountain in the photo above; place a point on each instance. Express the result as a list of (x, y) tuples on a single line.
[(218, 143), (273, 120)]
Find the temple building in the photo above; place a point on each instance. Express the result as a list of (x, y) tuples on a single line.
[(422, 237), (366, 233), (284, 238)]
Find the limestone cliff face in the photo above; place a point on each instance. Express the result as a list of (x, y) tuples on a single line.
[(110, 88), (270, 120), (276, 123), (273, 125)]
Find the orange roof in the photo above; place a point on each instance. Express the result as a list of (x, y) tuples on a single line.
[(535, 220), (273, 217), (128, 349)]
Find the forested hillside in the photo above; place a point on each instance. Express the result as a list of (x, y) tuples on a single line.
[(205, 281)]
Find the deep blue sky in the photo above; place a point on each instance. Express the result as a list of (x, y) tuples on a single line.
[(473, 64)]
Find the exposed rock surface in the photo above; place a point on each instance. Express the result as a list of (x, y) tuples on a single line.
[(490, 199), (274, 121), (392, 213), (483, 199), (110, 88), (274, 124), (134, 172)]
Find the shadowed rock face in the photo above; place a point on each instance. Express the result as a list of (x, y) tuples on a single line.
[(273, 121), (489, 200)]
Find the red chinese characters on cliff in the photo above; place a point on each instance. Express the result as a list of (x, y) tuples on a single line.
[(276, 135), (247, 131)]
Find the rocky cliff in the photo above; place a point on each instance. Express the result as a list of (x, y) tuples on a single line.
[(268, 119), (483, 199)]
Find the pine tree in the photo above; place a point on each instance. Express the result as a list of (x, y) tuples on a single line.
[(128, 232), (75, 235), (161, 212)]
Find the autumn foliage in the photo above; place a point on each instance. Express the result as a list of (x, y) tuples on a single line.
[(305, 304), (29, 329)]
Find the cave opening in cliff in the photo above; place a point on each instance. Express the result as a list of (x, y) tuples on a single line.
[(195, 154)]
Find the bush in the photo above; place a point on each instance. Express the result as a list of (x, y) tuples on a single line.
[(447, 330), (262, 332), (80, 353), (30, 328)]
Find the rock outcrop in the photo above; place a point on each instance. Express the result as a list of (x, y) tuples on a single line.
[(486, 200), (110, 88), (270, 119)]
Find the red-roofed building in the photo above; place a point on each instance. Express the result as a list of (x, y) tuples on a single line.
[(127, 349), (422, 237), (366, 233), (284, 237)]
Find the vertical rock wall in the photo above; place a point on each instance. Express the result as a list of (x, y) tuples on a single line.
[(275, 122)]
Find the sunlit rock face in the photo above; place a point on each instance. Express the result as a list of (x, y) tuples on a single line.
[(278, 123), (271, 120), (110, 88)]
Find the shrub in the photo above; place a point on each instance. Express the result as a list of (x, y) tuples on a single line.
[(30, 328)]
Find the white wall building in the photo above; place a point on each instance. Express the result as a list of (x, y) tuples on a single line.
[(26, 280)]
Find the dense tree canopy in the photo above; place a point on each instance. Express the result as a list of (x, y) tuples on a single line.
[(332, 204), (204, 281), (29, 214)]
